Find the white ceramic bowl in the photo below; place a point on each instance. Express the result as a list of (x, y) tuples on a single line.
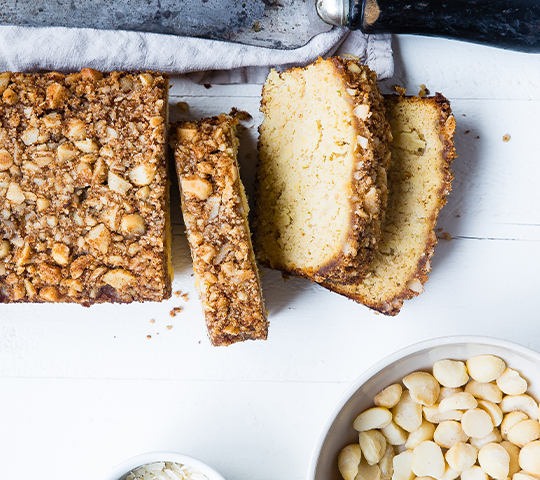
[(338, 430), (120, 471)]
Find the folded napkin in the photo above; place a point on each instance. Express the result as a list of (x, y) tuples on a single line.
[(207, 61)]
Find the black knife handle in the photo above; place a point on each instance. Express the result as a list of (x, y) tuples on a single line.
[(513, 24)]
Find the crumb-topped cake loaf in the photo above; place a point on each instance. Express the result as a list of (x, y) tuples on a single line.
[(419, 179), (215, 212), (321, 182), (84, 187)]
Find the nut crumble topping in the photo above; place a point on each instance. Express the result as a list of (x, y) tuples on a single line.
[(83, 187), (215, 213)]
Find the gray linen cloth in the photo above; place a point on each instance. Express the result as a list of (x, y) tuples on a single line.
[(29, 49)]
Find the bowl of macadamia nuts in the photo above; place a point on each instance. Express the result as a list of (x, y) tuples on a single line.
[(443, 409)]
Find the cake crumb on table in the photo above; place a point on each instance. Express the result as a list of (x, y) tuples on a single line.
[(177, 293), (152, 321), (169, 327), (446, 236), (506, 138), (423, 91), (185, 296), (175, 311)]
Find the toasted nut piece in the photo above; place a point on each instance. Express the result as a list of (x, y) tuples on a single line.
[(30, 136), (461, 456), (493, 409), (15, 194), (386, 464), (10, 97), (450, 373), (523, 403), (493, 437), (434, 415), (30, 289), (79, 265), (23, 254), (60, 253), (477, 423), (423, 387), (146, 79), (428, 460), (459, 401), (87, 146), (511, 419), (511, 382), (529, 458), (6, 160), (66, 152), (403, 466), (132, 225), (423, 433), (389, 397), (99, 238), (42, 204), (142, 175), (49, 294), (352, 67), (91, 74), (118, 184), (50, 274), (5, 77), (513, 451), (485, 391), (485, 368), (376, 417), (474, 473), (494, 460), (373, 445), (5, 248), (100, 172), (56, 95), (524, 432), (196, 187), (448, 433), (361, 111), (119, 278), (394, 434), (76, 129), (348, 461), (407, 413)]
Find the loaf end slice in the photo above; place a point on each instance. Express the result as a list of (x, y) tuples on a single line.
[(419, 180)]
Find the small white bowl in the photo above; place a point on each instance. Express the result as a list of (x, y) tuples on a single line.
[(120, 471), (338, 430)]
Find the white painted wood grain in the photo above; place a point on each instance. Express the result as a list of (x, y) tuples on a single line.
[(86, 387)]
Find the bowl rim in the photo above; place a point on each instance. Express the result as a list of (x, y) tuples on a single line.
[(123, 468), (394, 357)]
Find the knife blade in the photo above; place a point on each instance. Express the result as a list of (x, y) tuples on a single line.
[(281, 24)]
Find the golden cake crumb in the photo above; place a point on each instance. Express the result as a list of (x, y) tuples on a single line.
[(84, 187), (321, 183), (506, 138), (175, 311)]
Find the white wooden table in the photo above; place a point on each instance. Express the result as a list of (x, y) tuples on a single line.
[(83, 389)]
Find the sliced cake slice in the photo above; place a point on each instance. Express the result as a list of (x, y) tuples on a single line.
[(215, 212), (419, 179), (321, 182)]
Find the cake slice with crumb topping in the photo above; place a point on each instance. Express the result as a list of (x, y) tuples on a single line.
[(215, 212), (321, 184), (419, 179)]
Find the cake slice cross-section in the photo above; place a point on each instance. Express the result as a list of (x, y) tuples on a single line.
[(84, 187), (215, 212), (419, 180), (321, 183)]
